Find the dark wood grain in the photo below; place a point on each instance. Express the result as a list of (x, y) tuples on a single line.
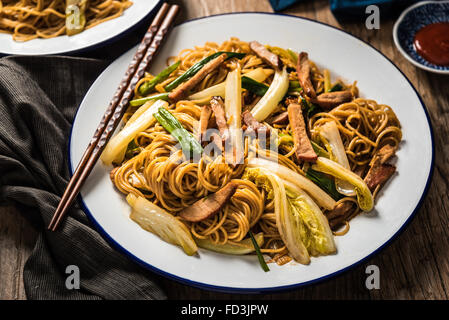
[(415, 266), (17, 238)]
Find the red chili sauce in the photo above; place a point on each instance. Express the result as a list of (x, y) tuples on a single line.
[(432, 43)]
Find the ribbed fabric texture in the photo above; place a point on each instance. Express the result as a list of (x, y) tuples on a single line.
[(39, 97)]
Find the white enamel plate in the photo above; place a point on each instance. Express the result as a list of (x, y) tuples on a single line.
[(95, 36), (346, 57)]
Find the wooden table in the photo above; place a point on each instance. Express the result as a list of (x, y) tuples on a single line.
[(415, 266)]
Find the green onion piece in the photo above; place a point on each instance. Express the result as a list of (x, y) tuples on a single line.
[(324, 182), (197, 66), (311, 109), (321, 152), (293, 55), (254, 86), (188, 143), (148, 86), (262, 262), (336, 87), (294, 86), (131, 150), (141, 101)]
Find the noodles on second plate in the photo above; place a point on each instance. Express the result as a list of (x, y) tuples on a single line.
[(31, 19)]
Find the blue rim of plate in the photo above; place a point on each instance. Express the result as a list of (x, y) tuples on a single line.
[(413, 19), (224, 289), (103, 43)]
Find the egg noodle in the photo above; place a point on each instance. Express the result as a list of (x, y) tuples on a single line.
[(160, 173)]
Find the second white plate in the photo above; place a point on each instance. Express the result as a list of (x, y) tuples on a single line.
[(93, 37)]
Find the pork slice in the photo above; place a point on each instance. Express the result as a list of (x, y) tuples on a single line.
[(378, 174), (220, 117), (253, 124), (217, 140), (379, 171), (303, 71), (182, 90), (330, 100), (266, 55), (209, 205), (342, 209), (304, 149), (385, 153), (344, 215), (281, 118), (206, 112)]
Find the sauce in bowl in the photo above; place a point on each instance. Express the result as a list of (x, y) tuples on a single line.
[(432, 43)]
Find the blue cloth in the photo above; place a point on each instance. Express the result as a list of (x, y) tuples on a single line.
[(347, 7), (355, 5), (356, 8), (279, 5)]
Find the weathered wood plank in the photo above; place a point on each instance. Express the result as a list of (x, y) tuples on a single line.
[(191, 9), (415, 266), (16, 241)]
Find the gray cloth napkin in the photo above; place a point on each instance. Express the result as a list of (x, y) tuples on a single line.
[(39, 97)]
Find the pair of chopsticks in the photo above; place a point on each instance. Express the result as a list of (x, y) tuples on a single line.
[(145, 53)]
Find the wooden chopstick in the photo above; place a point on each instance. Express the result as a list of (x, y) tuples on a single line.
[(117, 107)]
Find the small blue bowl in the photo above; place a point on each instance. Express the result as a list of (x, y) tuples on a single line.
[(413, 19)]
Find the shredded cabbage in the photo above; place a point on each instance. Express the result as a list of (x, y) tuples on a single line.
[(301, 224), (318, 194), (233, 110), (364, 196), (156, 220), (272, 97), (329, 132), (114, 150), (310, 221), (204, 96)]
